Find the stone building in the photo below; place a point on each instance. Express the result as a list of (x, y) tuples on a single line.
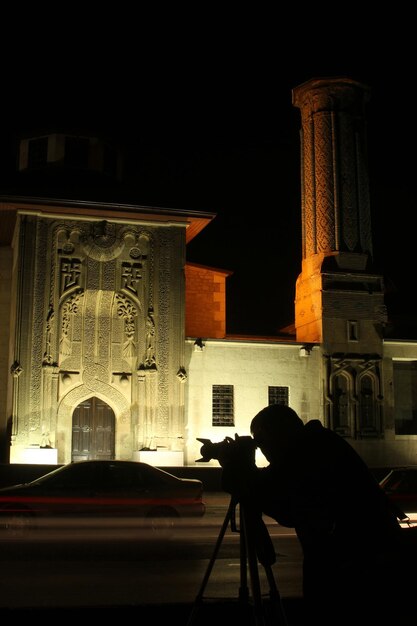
[(113, 346)]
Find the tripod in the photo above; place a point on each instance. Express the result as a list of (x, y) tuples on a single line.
[(255, 544)]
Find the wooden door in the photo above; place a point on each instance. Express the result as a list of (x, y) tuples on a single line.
[(93, 431)]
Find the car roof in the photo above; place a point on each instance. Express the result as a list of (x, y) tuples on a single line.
[(107, 462)]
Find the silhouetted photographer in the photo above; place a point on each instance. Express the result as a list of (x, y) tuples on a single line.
[(255, 542), (316, 483)]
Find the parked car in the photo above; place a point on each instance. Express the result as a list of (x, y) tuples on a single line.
[(400, 485), (101, 490)]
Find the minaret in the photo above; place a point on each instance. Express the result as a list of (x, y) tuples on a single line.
[(339, 299)]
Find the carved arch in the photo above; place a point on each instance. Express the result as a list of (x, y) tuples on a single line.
[(342, 410)]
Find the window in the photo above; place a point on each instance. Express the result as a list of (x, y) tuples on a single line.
[(278, 395), (222, 405), (369, 423), (405, 397), (353, 331), (341, 408), (355, 401)]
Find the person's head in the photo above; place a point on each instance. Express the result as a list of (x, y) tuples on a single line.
[(273, 428)]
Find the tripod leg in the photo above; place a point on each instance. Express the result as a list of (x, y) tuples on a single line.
[(276, 615), (200, 595), (252, 564), (277, 610), (243, 589), (250, 540)]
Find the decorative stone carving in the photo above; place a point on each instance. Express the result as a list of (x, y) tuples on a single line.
[(16, 369), (128, 312), (70, 307), (182, 375)]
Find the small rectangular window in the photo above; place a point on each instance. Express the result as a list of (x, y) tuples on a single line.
[(353, 331), (278, 395), (405, 397), (223, 406)]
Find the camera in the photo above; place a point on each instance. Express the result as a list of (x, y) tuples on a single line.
[(237, 450)]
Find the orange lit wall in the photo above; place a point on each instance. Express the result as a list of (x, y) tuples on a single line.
[(308, 301), (205, 301)]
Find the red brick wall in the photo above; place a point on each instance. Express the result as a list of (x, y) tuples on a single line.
[(205, 301)]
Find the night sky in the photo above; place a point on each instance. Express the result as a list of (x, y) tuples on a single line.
[(214, 129)]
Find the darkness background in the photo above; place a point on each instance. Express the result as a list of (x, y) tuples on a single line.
[(203, 108)]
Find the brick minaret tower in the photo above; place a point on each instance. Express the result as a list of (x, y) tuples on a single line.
[(339, 300)]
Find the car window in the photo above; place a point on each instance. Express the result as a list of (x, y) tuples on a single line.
[(122, 478), (151, 476), (401, 481), (403, 484), (407, 481), (73, 477)]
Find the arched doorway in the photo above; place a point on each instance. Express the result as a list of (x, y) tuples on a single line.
[(93, 431)]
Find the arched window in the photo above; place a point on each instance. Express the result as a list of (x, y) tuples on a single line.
[(342, 420), (368, 413), (354, 398)]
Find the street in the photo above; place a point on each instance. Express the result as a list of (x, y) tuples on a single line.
[(95, 567)]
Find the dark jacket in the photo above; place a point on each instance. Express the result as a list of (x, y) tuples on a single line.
[(349, 534)]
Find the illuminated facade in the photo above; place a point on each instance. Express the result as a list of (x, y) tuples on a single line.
[(112, 346), (96, 319)]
